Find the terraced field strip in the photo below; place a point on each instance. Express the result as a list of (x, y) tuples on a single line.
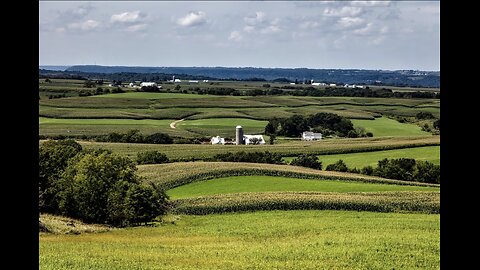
[(294, 148), (360, 160), (400, 201), (256, 183), (172, 175)]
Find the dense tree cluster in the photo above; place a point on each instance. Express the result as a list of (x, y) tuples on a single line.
[(307, 160), (406, 169), (95, 186), (326, 123), (152, 157), (134, 136)]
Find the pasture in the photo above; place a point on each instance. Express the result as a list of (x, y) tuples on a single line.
[(260, 183), (259, 240)]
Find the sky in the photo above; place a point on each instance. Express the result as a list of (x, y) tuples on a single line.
[(387, 35)]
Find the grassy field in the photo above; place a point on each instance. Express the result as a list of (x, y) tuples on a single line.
[(258, 183), (388, 127), (260, 240), (222, 126), (360, 160)]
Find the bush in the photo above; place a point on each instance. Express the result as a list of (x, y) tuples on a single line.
[(159, 138), (307, 160), (368, 170), (253, 157), (424, 115), (152, 157), (339, 166)]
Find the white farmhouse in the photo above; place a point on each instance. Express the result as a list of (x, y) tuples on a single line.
[(148, 84), (311, 136), (217, 140), (248, 139)]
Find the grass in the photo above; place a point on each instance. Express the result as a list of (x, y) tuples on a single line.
[(259, 240), (388, 127), (360, 160), (66, 225), (258, 183), (222, 126)]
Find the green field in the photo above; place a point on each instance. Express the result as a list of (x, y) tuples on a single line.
[(388, 127), (260, 240), (363, 159), (258, 183)]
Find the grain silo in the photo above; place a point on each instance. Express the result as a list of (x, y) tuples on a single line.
[(239, 135)]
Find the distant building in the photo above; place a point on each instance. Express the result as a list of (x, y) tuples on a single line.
[(205, 80), (311, 136), (217, 140), (247, 139), (193, 81), (177, 80), (332, 84), (292, 83), (148, 84)]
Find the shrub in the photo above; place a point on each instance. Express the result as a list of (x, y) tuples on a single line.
[(424, 115), (339, 166), (159, 138), (151, 157), (307, 160)]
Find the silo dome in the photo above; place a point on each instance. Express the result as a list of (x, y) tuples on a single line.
[(239, 126)]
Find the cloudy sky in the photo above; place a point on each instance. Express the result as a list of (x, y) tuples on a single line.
[(325, 34)]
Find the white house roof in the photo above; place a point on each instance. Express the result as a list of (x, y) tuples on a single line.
[(239, 127)]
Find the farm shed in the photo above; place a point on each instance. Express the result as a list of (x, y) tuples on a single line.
[(310, 136), (217, 140), (248, 139)]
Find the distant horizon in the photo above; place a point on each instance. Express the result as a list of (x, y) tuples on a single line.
[(148, 66)]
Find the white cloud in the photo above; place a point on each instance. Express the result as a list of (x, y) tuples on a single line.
[(235, 36), (270, 29), (136, 27), (370, 3), (85, 26), (249, 28), (193, 19), (127, 17), (350, 22), (345, 11)]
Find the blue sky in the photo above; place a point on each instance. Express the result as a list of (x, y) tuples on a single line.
[(321, 34)]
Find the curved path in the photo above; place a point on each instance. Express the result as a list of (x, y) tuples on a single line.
[(174, 123)]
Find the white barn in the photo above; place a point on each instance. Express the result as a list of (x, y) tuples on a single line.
[(248, 138), (148, 84), (311, 136), (217, 140)]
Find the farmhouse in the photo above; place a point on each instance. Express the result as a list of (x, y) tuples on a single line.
[(217, 140), (310, 136), (148, 84), (248, 139)]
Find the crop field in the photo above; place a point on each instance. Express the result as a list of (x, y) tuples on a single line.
[(257, 183), (176, 174), (360, 160), (239, 215), (388, 127), (175, 106), (260, 240), (287, 149)]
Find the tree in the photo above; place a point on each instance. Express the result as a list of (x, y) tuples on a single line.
[(426, 172), (272, 139), (89, 84), (307, 160), (436, 124), (177, 87), (53, 159), (424, 115), (401, 169), (159, 138), (338, 166), (152, 157), (102, 187), (254, 141)]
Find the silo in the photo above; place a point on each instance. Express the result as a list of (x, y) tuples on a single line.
[(239, 135)]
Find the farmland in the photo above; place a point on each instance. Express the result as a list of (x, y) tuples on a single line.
[(264, 240), (239, 215)]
